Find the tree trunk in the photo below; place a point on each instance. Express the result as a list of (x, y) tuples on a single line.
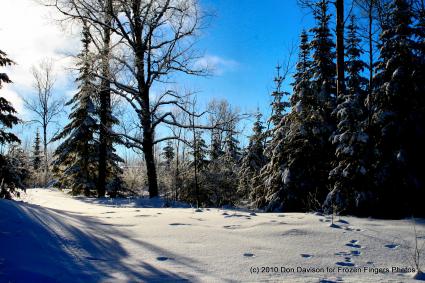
[(340, 47), (370, 35), (370, 39), (46, 159), (105, 105), (149, 156)]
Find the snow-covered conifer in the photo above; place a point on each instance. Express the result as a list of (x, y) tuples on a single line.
[(349, 177), (253, 159), (76, 157)]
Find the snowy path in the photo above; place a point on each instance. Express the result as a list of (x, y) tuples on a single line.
[(55, 238)]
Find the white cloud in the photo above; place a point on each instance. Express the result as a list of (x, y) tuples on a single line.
[(216, 65), (28, 34)]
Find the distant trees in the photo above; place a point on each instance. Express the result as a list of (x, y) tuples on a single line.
[(10, 172), (36, 153)]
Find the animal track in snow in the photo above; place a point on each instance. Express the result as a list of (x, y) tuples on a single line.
[(356, 253), (306, 256), (179, 224), (248, 255), (163, 258), (344, 263), (232, 227), (354, 244), (392, 246)]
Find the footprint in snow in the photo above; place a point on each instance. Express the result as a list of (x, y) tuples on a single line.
[(354, 244), (306, 256), (356, 253), (343, 263), (163, 258), (392, 246), (248, 255), (231, 226), (179, 224)]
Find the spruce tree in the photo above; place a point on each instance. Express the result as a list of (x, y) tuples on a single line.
[(9, 179), (253, 160), (76, 157), (216, 145), (232, 149), (36, 153), (168, 153), (302, 151), (278, 104), (7, 112), (397, 106), (349, 177), (271, 193)]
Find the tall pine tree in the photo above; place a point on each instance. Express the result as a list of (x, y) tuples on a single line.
[(349, 177), (76, 157)]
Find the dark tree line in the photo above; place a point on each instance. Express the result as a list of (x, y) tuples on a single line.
[(348, 143)]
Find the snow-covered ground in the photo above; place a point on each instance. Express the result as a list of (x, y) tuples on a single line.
[(52, 237)]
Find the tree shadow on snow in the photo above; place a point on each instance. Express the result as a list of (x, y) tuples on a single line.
[(32, 251)]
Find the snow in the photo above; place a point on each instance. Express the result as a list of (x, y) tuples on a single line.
[(52, 237)]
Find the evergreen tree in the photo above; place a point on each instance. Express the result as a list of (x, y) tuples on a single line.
[(397, 133), (9, 179), (7, 112), (297, 174), (271, 192), (278, 105), (232, 149), (199, 151), (253, 160), (76, 157), (168, 153), (36, 153), (216, 146), (349, 177), (193, 190)]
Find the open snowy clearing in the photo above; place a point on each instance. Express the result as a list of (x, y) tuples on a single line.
[(52, 237)]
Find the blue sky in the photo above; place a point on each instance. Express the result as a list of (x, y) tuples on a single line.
[(250, 37), (244, 40)]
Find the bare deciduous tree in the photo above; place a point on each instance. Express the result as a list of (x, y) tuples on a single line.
[(45, 107)]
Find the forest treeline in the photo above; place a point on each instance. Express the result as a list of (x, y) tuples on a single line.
[(347, 138)]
